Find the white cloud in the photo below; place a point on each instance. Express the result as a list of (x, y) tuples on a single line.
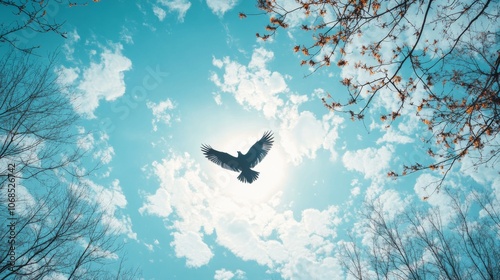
[(392, 136), (252, 230), (372, 162), (302, 134), (392, 204), (218, 99), (331, 125), (110, 200), (100, 80), (254, 86), (355, 191), (157, 204), (487, 173), (68, 47), (240, 274), (105, 155), (425, 189), (191, 246), (101, 150), (149, 247), (219, 7), (159, 12), (160, 112), (178, 6), (305, 268), (66, 76), (217, 62), (126, 35), (97, 251), (85, 142), (29, 202), (223, 274), (293, 19), (25, 152)]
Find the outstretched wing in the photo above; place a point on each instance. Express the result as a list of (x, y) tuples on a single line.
[(223, 159), (259, 150)]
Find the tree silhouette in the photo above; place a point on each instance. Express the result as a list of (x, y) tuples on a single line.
[(30, 16), (59, 234), (438, 60), (50, 226), (420, 244), (37, 122)]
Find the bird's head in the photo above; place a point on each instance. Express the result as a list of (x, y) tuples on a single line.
[(239, 154)]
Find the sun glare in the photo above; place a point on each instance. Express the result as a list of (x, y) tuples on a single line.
[(272, 174), (271, 180)]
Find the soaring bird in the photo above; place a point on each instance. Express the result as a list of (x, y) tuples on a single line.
[(243, 162)]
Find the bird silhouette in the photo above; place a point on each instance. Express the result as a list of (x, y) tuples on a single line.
[(243, 162)]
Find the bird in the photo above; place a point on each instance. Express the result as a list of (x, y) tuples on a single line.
[(244, 162)]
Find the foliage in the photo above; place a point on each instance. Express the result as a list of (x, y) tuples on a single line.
[(436, 60)]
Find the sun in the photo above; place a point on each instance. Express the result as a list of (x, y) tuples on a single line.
[(271, 181)]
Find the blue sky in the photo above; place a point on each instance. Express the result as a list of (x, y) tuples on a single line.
[(153, 80)]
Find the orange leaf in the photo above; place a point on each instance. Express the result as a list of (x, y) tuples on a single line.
[(342, 63)]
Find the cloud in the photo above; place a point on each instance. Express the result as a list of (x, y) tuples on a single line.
[(68, 47), (251, 230), (224, 274), (425, 188), (103, 79), (85, 141), (392, 136), (159, 12), (392, 204), (302, 135), (105, 155), (100, 148), (293, 19), (488, 171), (110, 201), (66, 76), (126, 35), (29, 202), (25, 152), (217, 99), (97, 252), (191, 246), (256, 87), (372, 162), (149, 247), (178, 6), (160, 112), (253, 86), (157, 204), (219, 7), (355, 191)]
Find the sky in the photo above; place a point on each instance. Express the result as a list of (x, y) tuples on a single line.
[(153, 80)]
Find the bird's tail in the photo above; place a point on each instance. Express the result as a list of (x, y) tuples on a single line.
[(248, 176)]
